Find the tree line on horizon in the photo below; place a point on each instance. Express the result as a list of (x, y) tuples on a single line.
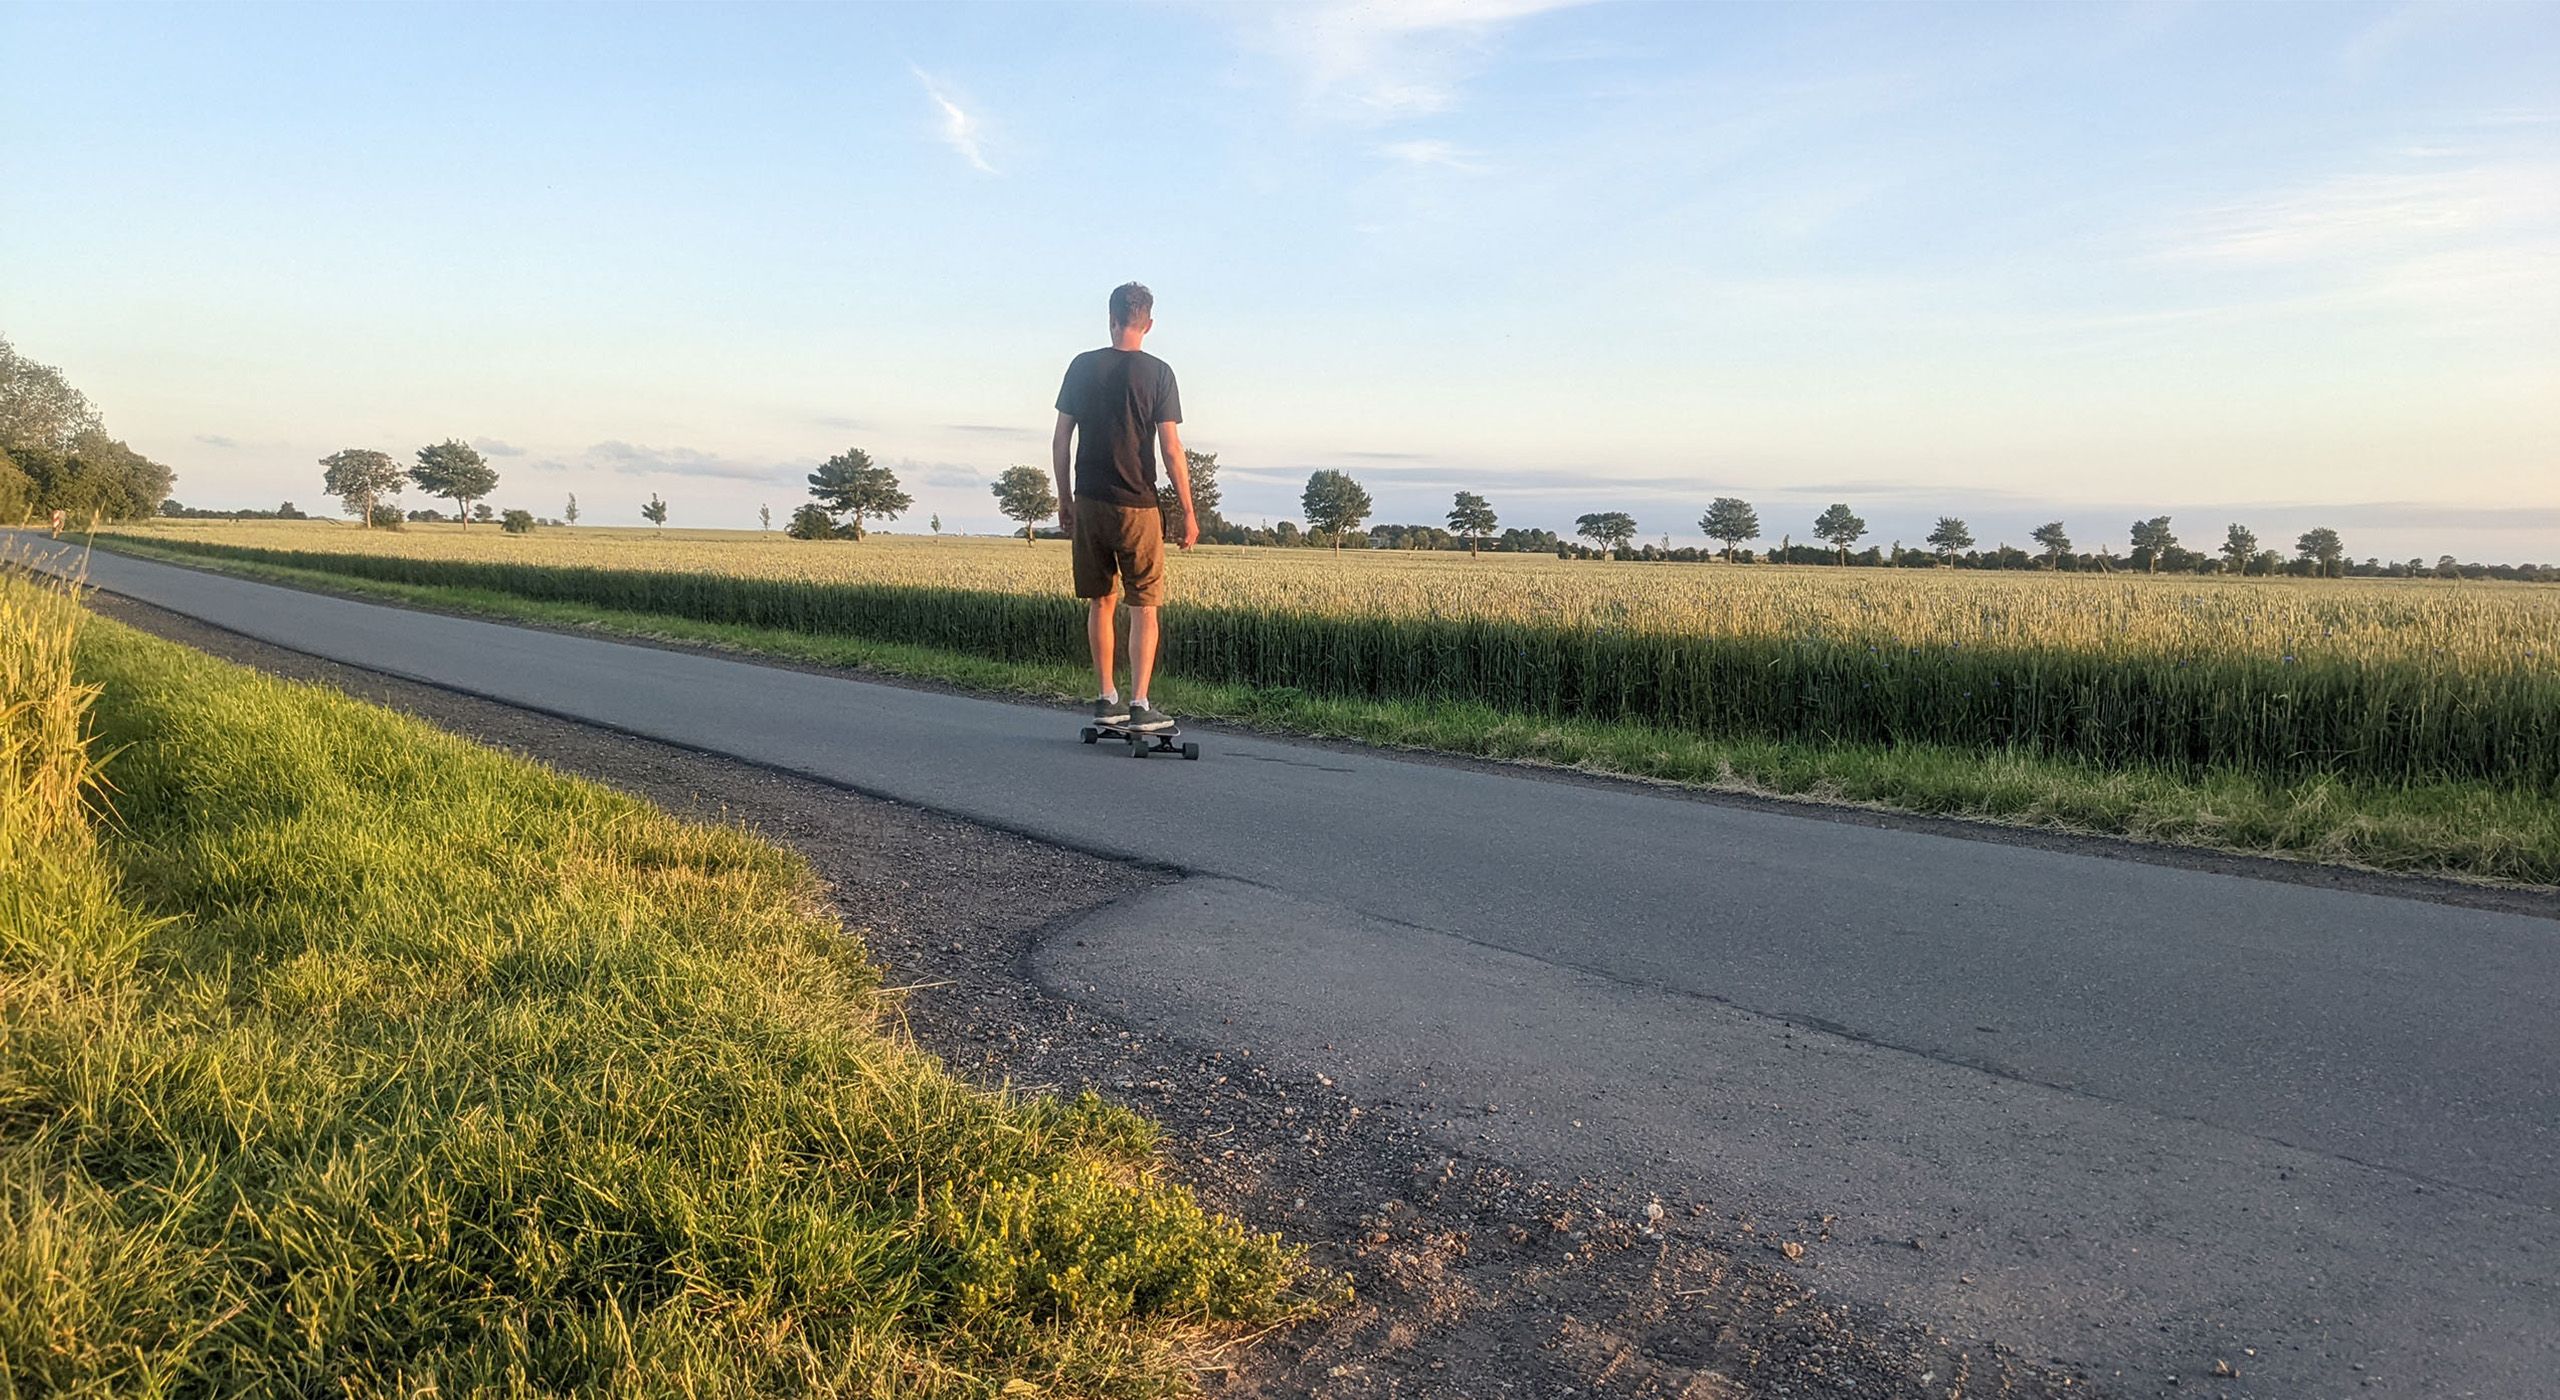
[(55, 453)]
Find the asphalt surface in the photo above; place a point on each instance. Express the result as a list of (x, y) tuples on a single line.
[(2127, 1115)]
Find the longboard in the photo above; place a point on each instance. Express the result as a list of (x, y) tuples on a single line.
[(1142, 742)]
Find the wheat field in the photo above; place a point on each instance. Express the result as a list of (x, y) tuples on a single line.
[(2389, 679)]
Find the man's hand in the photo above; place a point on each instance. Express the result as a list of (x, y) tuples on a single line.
[(1190, 529), (1067, 516)]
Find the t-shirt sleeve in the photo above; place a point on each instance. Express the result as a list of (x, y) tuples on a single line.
[(1067, 395), (1169, 399)]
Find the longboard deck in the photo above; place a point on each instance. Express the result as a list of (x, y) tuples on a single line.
[(1143, 742)]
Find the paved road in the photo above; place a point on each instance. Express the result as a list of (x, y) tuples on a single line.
[(2143, 1117)]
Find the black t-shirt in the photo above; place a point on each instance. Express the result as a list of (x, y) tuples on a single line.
[(1117, 398)]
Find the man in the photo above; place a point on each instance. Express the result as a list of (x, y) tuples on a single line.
[(1118, 406)]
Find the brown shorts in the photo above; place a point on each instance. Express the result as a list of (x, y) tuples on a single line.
[(1122, 541)]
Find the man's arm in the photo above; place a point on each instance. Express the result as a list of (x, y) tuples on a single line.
[(1177, 466), (1061, 466)]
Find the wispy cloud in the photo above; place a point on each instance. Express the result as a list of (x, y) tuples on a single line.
[(960, 130), (630, 459), (492, 447), (216, 440), (1431, 152), (1387, 59), (2369, 212), (989, 429)]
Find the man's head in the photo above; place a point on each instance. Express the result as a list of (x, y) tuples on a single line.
[(1133, 308)]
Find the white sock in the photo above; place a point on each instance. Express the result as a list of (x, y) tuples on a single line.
[(1138, 703), (1111, 696)]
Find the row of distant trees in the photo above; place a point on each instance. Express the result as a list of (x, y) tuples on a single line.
[(1337, 507)]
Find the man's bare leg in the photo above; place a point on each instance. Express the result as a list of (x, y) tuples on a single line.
[(1142, 650), (1097, 630)]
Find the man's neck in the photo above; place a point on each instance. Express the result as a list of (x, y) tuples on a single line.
[(1123, 338)]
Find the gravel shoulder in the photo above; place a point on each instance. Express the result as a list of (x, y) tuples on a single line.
[(1470, 1281)]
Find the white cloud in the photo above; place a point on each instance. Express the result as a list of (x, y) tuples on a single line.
[(1429, 151), (959, 129), (1388, 59), (2370, 212)]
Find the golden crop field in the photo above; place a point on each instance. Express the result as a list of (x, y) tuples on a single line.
[(2380, 678)]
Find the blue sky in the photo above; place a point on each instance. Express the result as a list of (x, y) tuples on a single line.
[(2287, 264)]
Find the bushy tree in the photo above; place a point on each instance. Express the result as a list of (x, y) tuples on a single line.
[(455, 470), (1732, 520), (99, 477), (387, 517), (850, 483), (38, 407), (1471, 518), (1024, 494), (655, 512), (517, 522), (2151, 539), (2239, 546), (764, 517), (2056, 540), (359, 477), (571, 514), (811, 522), (2322, 547), (1841, 526), (1950, 535), (1607, 529), (1335, 504), (1203, 469)]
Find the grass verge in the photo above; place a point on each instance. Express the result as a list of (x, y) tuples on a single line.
[(2463, 830), (342, 1056)]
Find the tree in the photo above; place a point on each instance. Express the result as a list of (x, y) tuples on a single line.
[(2055, 540), (571, 514), (1471, 519), (2322, 546), (360, 476), (517, 522), (2151, 539), (811, 522), (1608, 529), (2239, 546), (455, 470), (1203, 470), (1024, 494), (764, 517), (386, 517), (1841, 526), (655, 512), (38, 407), (849, 483), (482, 512), (1334, 503), (1950, 536), (1732, 520), (936, 522)]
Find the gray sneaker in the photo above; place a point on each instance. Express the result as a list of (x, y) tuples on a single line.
[(1111, 712), (1147, 718)]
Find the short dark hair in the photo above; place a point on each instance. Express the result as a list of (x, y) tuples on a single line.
[(1131, 303)]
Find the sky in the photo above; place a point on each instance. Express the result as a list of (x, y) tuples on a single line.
[(2289, 265)]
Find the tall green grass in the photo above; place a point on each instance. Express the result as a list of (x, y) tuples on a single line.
[(340, 1056), (2073, 683)]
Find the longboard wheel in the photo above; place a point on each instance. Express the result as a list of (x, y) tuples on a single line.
[(1137, 748), (1191, 751), (1091, 734)]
